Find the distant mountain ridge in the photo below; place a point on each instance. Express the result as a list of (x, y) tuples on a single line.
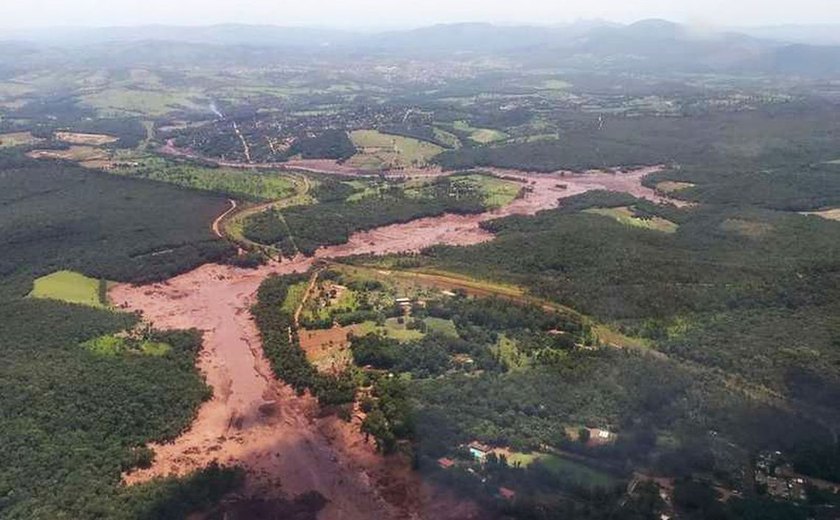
[(645, 46)]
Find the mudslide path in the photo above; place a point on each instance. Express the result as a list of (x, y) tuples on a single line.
[(258, 422)]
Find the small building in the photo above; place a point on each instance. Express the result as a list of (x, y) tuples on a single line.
[(506, 493), (479, 451), (445, 462)]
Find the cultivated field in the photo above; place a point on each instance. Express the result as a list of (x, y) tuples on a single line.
[(70, 287)]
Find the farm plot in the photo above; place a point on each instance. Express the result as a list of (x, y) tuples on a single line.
[(378, 151), (71, 287)]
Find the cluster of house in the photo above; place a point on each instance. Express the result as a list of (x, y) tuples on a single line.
[(778, 478), (479, 452)]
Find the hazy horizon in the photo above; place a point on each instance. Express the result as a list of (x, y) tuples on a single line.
[(381, 14)]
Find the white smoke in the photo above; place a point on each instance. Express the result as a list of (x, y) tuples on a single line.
[(216, 111)]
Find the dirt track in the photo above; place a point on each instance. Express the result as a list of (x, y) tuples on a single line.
[(258, 422)]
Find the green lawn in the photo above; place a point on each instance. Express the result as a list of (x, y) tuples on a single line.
[(70, 287), (392, 329)]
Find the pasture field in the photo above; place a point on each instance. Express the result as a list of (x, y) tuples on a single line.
[(13, 139), (119, 101), (70, 287), (383, 151), (627, 216), (480, 135), (497, 192)]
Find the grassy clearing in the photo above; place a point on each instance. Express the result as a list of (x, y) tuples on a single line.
[(627, 216), (497, 192), (85, 139), (392, 329), (153, 103), (441, 326), (248, 184), (448, 138), (17, 139), (673, 186), (480, 135), (569, 470), (509, 354), (70, 287), (294, 297), (384, 151), (116, 345), (81, 154)]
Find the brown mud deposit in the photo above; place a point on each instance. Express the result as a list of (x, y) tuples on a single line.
[(279, 437)]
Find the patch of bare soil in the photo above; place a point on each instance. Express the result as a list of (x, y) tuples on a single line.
[(85, 139), (287, 448)]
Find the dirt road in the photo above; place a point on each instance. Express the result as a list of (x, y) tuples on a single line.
[(258, 422)]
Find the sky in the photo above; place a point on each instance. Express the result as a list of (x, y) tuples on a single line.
[(21, 14)]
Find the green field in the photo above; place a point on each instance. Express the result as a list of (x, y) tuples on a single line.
[(441, 326), (383, 151), (497, 192), (628, 217), (130, 101), (569, 470), (70, 287), (115, 345), (249, 184), (392, 329), (480, 135)]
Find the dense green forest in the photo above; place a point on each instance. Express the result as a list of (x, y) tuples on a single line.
[(806, 131), (59, 216), (74, 419)]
